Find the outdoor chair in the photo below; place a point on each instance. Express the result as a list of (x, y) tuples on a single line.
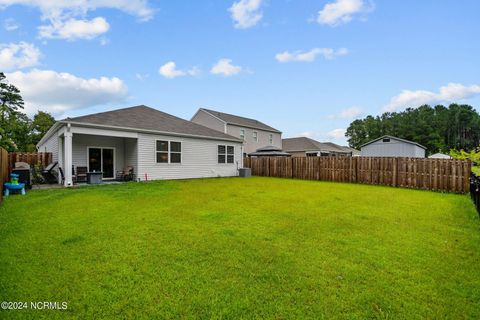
[(81, 174), (125, 175), (48, 173)]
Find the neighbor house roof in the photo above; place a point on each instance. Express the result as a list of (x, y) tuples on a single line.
[(394, 138), (352, 150), (144, 119), (440, 156), (269, 151), (308, 144), (240, 121)]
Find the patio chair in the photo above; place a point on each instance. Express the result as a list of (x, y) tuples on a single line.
[(48, 173), (81, 174), (125, 175)]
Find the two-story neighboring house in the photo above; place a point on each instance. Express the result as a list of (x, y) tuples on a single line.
[(254, 133)]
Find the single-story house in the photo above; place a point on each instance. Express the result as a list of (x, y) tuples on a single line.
[(307, 147), (389, 146), (156, 144), (439, 156)]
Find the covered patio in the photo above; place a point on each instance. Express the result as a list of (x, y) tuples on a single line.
[(99, 151)]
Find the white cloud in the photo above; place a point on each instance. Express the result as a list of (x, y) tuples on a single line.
[(447, 94), (66, 19), (18, 55), (341, 11), (225, 67), (59, 92), (74, 29), (337, 134), (10, 24), (308, 134), (349, 113), (169, 70), (309, 56), (246, 13)]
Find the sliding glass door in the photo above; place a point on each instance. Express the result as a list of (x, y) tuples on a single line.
[(102, 160)]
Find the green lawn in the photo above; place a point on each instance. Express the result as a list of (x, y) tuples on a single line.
[(241, 248)]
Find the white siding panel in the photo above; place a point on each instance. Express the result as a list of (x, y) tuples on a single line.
[(207, 120), (51, 145), (199, 159), (131, 154), (263, 138)]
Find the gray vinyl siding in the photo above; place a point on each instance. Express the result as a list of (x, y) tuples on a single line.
[(81, 142), (209, 121), (199, 159), (263, 137), (131, 153), (51, 145), (394, 148)]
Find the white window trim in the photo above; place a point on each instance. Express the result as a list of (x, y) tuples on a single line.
[(255, 136), (242, 136), (101, 160), (226, 154), (270, 138), (168, 152)]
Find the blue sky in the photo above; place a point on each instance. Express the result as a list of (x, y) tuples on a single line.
[(306, 67)]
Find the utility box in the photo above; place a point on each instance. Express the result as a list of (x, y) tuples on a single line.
[(244, 172)]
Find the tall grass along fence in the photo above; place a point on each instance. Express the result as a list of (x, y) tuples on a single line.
[(417, 173), (42, 159), (3, 170)]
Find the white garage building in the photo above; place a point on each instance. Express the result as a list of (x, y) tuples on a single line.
[(388, 146)]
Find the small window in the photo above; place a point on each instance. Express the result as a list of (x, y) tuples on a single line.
[(168, 151), (270, 139), (230, 154), (175, 152), (386, 140), (255, 136), (162, 151), (226, 154), (242, 134)]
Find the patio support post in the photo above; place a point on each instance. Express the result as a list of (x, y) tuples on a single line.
[(68, 157), (60, 155)]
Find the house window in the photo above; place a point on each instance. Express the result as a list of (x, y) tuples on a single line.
[(255, 136), (175, 152), (168, 151), (270, 138), (242, 134), (386, 140), (226, 154), (162, 151)]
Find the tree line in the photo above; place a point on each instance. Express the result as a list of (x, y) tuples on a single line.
[(17, 131), (438, 128)]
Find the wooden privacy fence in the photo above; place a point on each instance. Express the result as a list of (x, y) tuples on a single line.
[(3, 170), (416, 173), (42, 159)]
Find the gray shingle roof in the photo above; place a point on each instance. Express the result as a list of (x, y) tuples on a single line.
[(241, 121), (146, 118), (307, 144)]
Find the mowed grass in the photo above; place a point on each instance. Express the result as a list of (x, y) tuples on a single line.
[(241, 248)]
